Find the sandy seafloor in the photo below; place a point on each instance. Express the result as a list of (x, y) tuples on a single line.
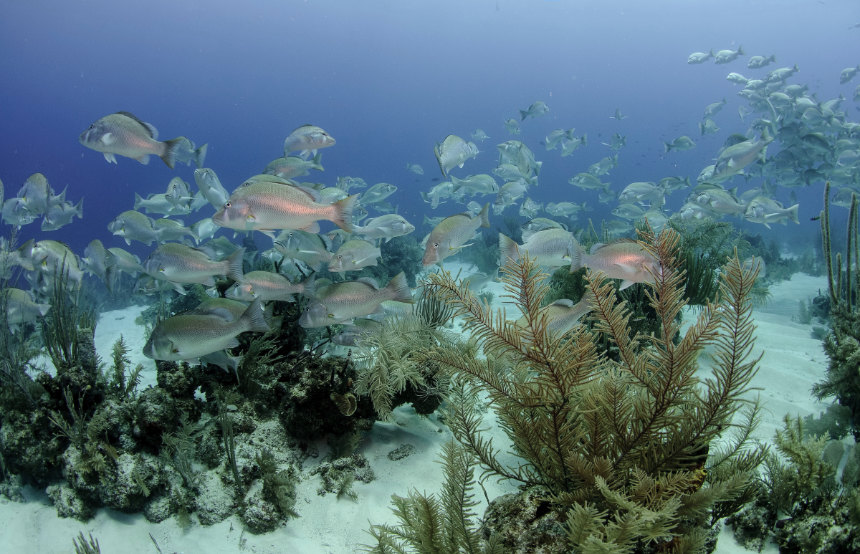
[(793, 360)]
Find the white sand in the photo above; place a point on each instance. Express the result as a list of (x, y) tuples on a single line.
[(792, 362)]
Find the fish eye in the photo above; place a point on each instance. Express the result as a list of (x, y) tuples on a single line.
[(227, 205)]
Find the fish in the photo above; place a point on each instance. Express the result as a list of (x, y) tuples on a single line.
[(475, 185), (562, 314), (699, 57), (628, 211), (679, 144), (265, 203), (438, 193), (210, 186), (309, 248), (179, 263), (537, 109), (95, 260), (415, 168), (604, 165), (532, 226), (186, 152), (452, 234), (36, 193), (61, 213), (781, 74), (512, 126), (847, 74), (617, 116), (765, 210), (168, 230), (290, 167), (385, 227), (190, 335), (452, 152), (267, 286), (20, 307), (588, 181), (568, 147), (344, 301), (737, 78), (204, 229), (530, 207), (377, 193), (625, 260), (354, 255), (708, 127), (123, 134), (717, 200), (160, 204), (551, 248), (307, 139), (756, 62), (118, 259), (552, 140), (133, 225), (564, 209), (714, 108), (479, 135), (733, 159), (643, 191), (726, 56)]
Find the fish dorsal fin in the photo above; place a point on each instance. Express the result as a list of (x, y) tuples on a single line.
[(596, 246), (150, 128), (369, 281), (223, 313)]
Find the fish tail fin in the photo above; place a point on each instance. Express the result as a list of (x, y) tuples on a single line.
[(316, 162), (485, 215), (576, 257), (137, 200), (200, 155), (523, 115), (792, 212), (234, 265), (508, 248), (170, 148), (309, 286), (343, 212), (740, 50), (399, 288), (667, 147), (254, 315), (80, 208)]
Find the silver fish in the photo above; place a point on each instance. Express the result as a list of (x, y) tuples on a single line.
[(123, 134)]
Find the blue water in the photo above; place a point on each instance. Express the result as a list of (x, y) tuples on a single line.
[(388, 79)]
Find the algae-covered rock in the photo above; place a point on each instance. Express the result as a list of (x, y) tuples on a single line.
[(68, 502)]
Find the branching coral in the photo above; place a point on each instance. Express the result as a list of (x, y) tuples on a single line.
[(618, 446)]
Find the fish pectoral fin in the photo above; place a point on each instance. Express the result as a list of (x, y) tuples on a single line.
[(232, 343), (312, 228), (107, 139), (624, 284)]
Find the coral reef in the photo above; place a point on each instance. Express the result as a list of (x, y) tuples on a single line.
[(438, 524), (801, 503), (391, 367), (619, 449)]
